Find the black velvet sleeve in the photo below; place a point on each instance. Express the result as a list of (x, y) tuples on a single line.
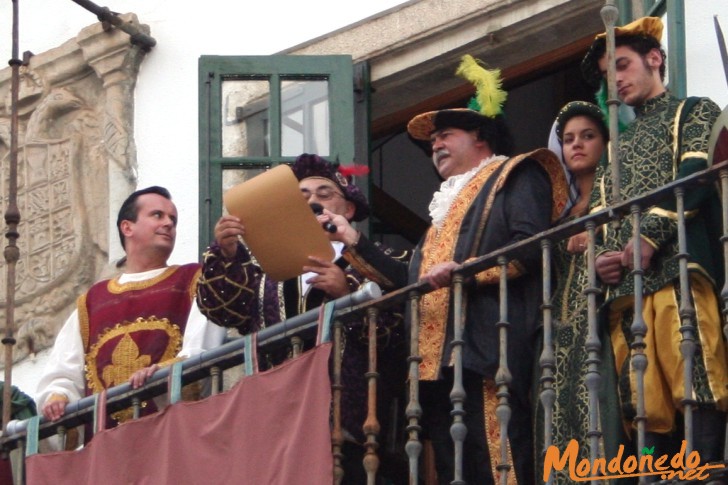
[(382, 267)]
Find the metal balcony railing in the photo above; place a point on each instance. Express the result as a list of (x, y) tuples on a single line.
[(367, 303)]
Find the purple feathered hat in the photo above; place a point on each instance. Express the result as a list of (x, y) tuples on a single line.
[(308, 165)]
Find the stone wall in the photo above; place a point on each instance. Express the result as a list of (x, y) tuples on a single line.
[(76, 163)]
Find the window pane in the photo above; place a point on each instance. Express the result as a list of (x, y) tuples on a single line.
[(245, 115), (234, 176), (304, 117)]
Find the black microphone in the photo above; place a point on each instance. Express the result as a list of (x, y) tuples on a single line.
[(318, 209)]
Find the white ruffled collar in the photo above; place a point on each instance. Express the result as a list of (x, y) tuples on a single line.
[(450, 188)]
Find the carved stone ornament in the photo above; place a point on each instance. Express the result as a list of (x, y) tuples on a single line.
[(76, 152)]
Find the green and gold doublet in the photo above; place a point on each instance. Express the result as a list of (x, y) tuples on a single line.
[(667, 141), (650, 158)]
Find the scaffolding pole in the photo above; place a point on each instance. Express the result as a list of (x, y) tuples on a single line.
[(12, 219), (112, 18)]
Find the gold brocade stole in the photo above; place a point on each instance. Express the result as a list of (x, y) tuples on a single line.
[(439, 247), (493, 436)]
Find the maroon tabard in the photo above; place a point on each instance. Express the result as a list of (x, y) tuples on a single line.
[(126, 327)]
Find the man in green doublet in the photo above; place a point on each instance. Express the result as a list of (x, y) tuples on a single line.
[(667, 140)]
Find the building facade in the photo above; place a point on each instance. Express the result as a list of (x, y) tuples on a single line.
[(100, 116)]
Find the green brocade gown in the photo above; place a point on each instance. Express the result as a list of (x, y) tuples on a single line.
[(571, 407)]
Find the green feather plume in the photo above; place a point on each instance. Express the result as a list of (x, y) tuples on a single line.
[(489, 96), (601, 99)]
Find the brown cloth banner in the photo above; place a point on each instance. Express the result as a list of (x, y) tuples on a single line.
[(271, 428)]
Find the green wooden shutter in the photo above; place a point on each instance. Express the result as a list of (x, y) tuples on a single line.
[(259, 111)]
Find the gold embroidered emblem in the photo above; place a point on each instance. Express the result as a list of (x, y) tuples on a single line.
[(124, 362), (126, 356)]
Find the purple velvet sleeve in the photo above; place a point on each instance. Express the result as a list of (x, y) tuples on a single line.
[(227, 289)]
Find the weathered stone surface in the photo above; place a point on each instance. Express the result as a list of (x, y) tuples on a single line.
[(76, 163)]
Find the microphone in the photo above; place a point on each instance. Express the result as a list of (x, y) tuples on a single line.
[(318, 209)]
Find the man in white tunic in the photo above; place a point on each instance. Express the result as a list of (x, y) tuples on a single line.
[(124, 328)]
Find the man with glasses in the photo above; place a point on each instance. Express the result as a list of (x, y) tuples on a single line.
[(233, 291), (232, 301)]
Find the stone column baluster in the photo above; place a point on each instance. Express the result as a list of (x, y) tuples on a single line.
[(458, 430), (503, 377), (724, 290), (638, 330), (687, 320), (547, 361), (413, 447), (337, 435), (593, 348), (371, 426)]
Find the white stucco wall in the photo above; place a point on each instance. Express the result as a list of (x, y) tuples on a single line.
[(705, 71), (166, 92)]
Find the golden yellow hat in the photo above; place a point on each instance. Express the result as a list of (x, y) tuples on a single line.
[(645, 27), (482, 108), (648, 26)]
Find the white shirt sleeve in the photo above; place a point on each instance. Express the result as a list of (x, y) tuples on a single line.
[(200, 334), (64, 370)]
